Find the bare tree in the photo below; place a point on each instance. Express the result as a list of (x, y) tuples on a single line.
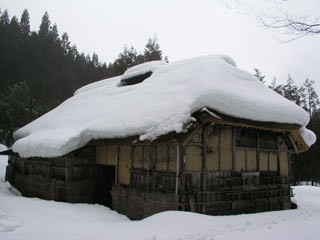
[(298, 26), (283, 20)]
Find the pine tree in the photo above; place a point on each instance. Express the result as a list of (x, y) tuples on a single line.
[(291, 91), (73, 52), (152, 50), (54, 34), (277, 88), (25, 22), (125, 60), (16, 109), (65, 43), (5, 19), (259, 75), (45, 26), (311, 97), (95, 59)]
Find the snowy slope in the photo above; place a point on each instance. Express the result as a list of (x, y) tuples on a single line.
[(3, 161), (163, 103), (34, 219)]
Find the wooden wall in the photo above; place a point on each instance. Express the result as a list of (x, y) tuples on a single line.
[(69, 178), (221, 149), (106, 154), (212, 159), (124, 164)]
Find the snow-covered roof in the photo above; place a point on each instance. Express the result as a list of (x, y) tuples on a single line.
[(162, 103)]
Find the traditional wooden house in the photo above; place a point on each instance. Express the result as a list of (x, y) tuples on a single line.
[(197, 135)]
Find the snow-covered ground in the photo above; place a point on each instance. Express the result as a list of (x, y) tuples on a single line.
[(32, 218)]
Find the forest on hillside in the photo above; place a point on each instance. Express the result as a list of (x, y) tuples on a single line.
[(40, 69)]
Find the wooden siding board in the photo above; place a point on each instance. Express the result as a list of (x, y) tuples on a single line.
[(124, 164), (193, 158), (172, 152), (212, 153), (226, 149), (273, 161), (240, 160), (111, 154), (263, 161), (101, 154), (137, 156), (284, 164), (162, 157), (251, 159)]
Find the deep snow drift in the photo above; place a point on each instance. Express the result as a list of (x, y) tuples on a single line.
[(162, 103), (34, 219)]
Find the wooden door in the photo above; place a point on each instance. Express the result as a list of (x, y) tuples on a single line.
[(104, 183)]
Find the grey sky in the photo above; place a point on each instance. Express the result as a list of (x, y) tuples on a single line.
[(184, 28)]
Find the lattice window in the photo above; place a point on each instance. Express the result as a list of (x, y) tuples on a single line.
[(268, 140), (247, 138)]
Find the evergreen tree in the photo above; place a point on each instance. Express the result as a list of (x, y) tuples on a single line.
[(152, 50), (25, 22), (16, 110), (73, 52), (311, 97), (65, 43), (291, 91), (259, 75), (45, 26), (39, 70), (125, 60), (277, 88), (4, 19), (95, 59), (54, 34)]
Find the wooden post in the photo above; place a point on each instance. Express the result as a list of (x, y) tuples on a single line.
[(258, 155), (278, 156), (204, 160), (177, 170), (117, 164), (219, 145), (233, 150)]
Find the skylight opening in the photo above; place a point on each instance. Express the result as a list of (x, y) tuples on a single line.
[(135, 79)]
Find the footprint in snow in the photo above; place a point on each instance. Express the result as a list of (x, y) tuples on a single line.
[(7, 225)]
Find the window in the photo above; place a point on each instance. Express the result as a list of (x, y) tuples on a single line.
[(247, 138), (268, 140)]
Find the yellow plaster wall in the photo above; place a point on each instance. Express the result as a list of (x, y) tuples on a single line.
[(226, 148), (193, 158)]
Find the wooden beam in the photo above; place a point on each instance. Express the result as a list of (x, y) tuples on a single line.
[(204, 161), (177, 170)]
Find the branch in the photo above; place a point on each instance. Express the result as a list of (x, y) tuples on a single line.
[(293, 26)]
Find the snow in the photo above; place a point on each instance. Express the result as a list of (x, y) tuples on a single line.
[(308, 136), (3, 160), (162, 103), (142, 69), (32, 218)]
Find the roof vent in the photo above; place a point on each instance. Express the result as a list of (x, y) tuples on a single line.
[(135, 79), (139, 73)]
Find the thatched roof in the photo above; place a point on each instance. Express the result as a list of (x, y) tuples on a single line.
[(155, 105)]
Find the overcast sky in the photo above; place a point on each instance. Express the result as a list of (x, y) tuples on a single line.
[(184, 28)]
